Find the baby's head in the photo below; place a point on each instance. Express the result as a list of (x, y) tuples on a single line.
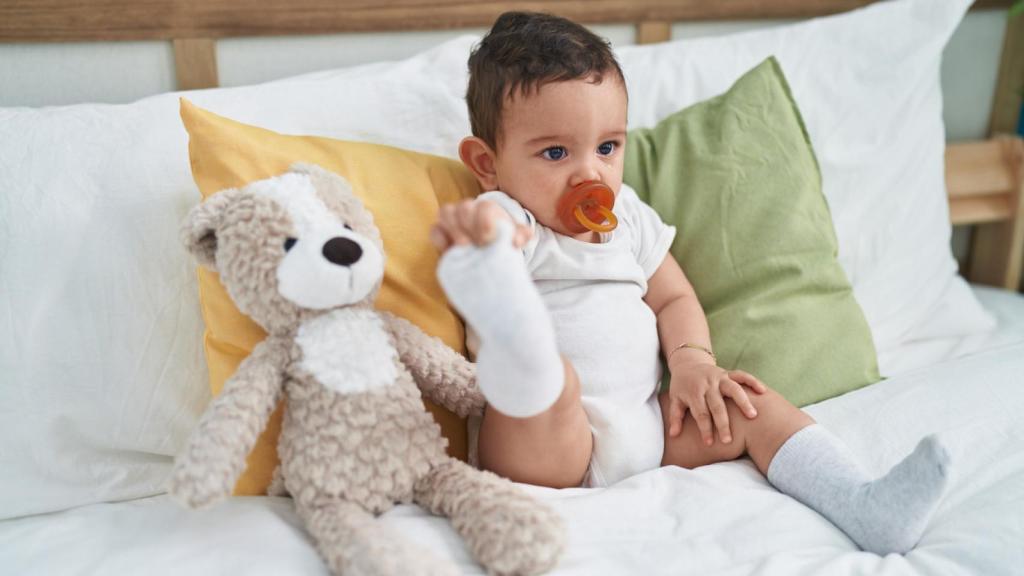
[(547, 104)]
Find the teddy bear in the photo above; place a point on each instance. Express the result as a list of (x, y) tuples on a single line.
[(301, 255)]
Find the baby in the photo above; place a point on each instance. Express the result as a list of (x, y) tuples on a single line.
[(567, 326)]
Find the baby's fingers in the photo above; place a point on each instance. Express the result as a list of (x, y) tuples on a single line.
[(483, 221), (735, 391), (474, 222), (702, 415), (676, 413), (523, 235), (439, 238), (720, 415), (749, 380), (448, 222)]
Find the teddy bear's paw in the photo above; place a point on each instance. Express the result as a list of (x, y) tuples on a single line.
[(515, 535), (194, 489), (398, 558)]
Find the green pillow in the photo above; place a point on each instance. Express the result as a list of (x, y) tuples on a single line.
[(737, 177)]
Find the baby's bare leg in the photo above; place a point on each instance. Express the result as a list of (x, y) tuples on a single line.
[(551, 449), (760, 437)]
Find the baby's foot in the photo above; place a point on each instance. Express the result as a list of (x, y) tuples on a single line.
[(895, 508), (519, 369), (882, 516)]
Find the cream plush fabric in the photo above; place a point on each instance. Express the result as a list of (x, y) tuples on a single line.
[(356, 438)]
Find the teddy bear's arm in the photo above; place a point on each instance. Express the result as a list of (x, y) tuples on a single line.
[(206, 470), (442, 374)]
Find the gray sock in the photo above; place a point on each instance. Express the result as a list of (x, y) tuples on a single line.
[(882, 516)]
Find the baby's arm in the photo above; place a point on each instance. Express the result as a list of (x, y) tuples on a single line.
[(697, 384)]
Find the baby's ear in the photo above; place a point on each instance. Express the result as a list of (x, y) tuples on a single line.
[(199, 230), (478, 156)]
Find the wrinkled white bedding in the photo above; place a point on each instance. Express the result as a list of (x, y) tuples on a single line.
[(719, 519)]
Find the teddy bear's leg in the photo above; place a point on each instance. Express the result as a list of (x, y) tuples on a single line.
[(354, 543), (506, 530), (276, 487)]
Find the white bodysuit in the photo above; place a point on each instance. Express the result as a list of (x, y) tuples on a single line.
[(594, 293)]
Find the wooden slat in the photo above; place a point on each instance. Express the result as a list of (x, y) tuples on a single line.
[(1006, 102), (651, 32), (980, 210), (996, 255), (195, 63), (978, 169), (986, 187), (61, 20)]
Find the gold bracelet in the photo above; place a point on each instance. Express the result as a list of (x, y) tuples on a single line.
[(695, 347)]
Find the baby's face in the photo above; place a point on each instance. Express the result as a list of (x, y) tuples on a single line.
[(553, 139)]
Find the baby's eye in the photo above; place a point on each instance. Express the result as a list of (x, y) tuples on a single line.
[(554, 153), (606, 148)]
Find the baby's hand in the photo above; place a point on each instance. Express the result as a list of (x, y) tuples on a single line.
[(476, 222), (702, 389)]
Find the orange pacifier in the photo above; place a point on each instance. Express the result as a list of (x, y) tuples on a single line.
[(588, 206)]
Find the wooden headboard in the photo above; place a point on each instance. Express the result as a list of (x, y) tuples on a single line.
[(984, 178)]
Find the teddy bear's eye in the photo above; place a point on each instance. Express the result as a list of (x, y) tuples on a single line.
[(288, 243), (347, 226)]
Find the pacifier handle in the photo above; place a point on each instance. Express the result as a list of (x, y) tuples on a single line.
[(610, 225), (586, 202)]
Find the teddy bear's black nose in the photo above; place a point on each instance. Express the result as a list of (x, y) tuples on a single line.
[(342, 251)]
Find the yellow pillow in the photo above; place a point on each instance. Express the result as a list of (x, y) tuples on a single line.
[(403, 191)]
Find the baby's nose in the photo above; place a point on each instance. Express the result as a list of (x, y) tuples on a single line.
[(584, 173)]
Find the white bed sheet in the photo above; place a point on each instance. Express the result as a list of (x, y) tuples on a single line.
[(719, 519), (912, 355)]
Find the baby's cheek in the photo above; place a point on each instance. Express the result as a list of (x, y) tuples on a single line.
[(549, 218)]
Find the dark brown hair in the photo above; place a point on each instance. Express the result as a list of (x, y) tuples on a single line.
[(522, 52)]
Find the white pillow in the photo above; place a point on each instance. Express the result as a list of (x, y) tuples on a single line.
[(103, 369), (867, 84)]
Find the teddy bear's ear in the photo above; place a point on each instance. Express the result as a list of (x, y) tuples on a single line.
[(199, 230)]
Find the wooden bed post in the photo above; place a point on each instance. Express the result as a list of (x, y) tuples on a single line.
[(195, 63), (1005, 240), (651, 32), (997, 252), (1007, 99)]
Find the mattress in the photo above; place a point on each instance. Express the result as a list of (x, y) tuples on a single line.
[(718, 519)]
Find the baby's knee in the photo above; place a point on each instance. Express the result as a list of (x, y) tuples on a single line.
[(773, 410), (767, 400), (774, 413)]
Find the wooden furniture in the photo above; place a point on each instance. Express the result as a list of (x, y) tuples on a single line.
[(985, 181), (984, 178)]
